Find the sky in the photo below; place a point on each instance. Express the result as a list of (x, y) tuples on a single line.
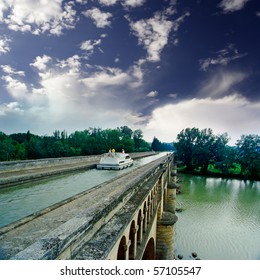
[(156, 65)]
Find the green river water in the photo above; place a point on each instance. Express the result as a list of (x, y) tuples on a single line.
[(220, 219)]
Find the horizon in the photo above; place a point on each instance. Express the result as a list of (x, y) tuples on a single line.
[(156, 66)]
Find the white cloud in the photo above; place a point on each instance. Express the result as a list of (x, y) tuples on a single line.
[(89, 45), (107, 76), (101, 19), (133, 3), (40, 62), (153, 33), (107, 2), (229, 6), (10, 108), (38, 16), (232, 114), (224, 57), (69, 97), (15, 87), (71, 64), (221, 84), (9, 70), (4, 45), (125, 3), (82, 1), (153, 93)]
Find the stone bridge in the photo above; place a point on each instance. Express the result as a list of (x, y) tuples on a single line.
[(130, 217)]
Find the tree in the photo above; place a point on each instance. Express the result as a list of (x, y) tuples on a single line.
[(88, 142), (185, 144), (6, 147), (137, 136), (228, 161), (197, 148), (209, 148), (156, 145), (126, 131), (249, 155)]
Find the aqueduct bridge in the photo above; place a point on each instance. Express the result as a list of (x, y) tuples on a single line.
[(130, 217)]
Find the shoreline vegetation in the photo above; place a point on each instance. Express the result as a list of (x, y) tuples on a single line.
[(211, 174), (199, 152)]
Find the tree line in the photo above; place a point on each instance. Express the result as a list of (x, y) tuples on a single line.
[(92, 141), (203, 152), (197, 151)]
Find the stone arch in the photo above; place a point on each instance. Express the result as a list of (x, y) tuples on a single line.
[(164, 197), (133, 241), (152, 202), (139, 225), (145, 216), (155, 194), (148, 209), (149, 252), (122, 248)]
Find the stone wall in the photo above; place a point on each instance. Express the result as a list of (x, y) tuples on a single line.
[(19, 172)]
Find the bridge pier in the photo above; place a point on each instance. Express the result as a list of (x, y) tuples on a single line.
[(165, 236), (166, 216)]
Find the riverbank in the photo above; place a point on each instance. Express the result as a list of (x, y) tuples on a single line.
[(19, 172), (217, 175)]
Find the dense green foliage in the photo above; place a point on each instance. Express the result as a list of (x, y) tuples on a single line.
[(198, 150), (158, 146), (202, 151), (91, 141)]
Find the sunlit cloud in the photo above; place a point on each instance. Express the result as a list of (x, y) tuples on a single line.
[(67, 97), (36, 17), (4, 45), (232, 114), (153, 33), (229, 6), (100, 19), (221, 84)]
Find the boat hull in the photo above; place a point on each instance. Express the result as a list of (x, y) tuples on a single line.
[(114, 166)]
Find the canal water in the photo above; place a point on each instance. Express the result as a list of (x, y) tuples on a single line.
[(20, 201), (220, 219)]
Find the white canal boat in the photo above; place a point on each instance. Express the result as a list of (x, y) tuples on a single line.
[(113, 160)]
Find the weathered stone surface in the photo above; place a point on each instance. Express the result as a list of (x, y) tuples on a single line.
[(73, 221), (168, 218), (101, 243)]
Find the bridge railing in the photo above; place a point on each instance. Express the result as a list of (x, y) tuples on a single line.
[(106, 202)]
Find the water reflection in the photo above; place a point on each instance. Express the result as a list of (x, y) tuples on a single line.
[(221, 218)]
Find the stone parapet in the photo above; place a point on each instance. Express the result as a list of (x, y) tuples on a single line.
[(61, 232), (18, 172)]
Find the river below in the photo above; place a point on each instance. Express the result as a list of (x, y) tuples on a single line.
[(219, 219)]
